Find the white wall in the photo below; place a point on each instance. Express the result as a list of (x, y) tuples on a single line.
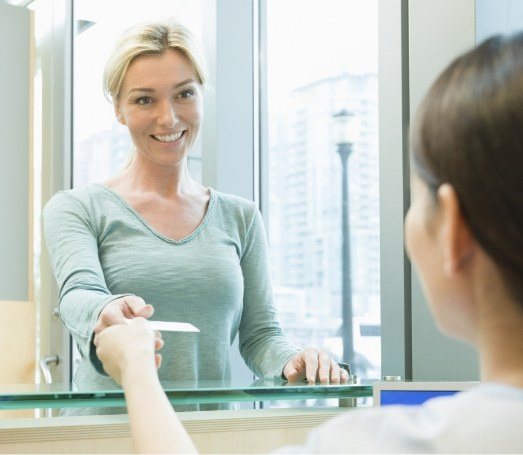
[(17, 308), (15, 117)]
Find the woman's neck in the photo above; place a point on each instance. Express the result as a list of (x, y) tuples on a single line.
[(500, 342), (168, 181)]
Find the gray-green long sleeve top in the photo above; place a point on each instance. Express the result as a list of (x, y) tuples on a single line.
[(217, 278)]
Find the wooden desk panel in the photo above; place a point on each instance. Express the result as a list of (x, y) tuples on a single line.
[(239, 431)]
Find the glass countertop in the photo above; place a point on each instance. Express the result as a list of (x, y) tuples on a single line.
[(29, 396)]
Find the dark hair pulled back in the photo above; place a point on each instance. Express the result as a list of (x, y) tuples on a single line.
[(469, 133)]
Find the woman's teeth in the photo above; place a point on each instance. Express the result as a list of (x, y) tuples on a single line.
[(169, 137)]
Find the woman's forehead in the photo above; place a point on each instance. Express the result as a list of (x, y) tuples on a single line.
[(171, 68)]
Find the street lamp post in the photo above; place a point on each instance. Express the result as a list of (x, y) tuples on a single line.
[(343, 132)]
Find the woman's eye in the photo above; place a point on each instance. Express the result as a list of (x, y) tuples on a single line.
[(187, 94), (144, 101)]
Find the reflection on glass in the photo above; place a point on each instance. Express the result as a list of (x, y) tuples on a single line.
[(334, 53)]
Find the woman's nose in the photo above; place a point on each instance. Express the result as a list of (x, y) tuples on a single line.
[(167, 115)]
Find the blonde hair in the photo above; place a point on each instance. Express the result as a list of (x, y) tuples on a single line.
[(146, 39)]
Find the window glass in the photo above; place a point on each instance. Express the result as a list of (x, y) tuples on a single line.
[(322, 58), (498, 16), (101, 144)]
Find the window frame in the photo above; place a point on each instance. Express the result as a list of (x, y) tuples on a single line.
[(235, 146), (393, 178)]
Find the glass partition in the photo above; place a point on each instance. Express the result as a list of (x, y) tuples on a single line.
[(323, 211), (29, 396), (99, 150), (102, 146)]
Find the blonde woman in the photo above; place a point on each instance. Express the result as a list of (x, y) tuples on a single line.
[(464, 234), (153, 240)]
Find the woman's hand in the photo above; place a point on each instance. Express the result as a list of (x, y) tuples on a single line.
[(119, 311), (124, 348), (312, 364)]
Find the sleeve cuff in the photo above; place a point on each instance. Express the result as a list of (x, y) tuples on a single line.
[(95, 361)]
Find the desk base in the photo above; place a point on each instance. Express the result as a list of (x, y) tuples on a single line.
[(239, 431)]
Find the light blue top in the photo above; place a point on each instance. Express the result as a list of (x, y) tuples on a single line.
[(217, 279)]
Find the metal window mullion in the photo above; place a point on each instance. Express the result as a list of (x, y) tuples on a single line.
[(394, 188)]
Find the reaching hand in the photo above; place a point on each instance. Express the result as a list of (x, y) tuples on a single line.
[(312, 364), (123, 347), (119, 311)]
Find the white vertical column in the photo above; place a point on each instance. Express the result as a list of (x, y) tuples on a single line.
[(228, 133), (439, 32), (229, 141)]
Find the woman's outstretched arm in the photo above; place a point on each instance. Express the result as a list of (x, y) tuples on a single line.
[(128, 355)]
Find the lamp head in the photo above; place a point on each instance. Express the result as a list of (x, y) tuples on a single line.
[(343, 127)]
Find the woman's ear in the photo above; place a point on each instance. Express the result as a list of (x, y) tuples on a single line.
[(458, 242), (118, 114)]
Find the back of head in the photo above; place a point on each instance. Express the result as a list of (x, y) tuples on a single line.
[(146, 39), (469, 133)]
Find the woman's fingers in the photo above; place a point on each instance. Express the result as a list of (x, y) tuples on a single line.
[(344, 376), (112, 314), (121, 311), (311, 364), (335, 372), (324, 370), (158, 360), (138, 307), (158, 342), (318, 365)]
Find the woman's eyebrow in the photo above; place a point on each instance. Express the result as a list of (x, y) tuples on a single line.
[(185, 82), (151, 90)]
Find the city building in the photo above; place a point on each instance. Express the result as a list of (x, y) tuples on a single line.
[(305, 212)]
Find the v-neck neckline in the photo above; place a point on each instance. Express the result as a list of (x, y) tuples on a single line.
[(153, 230)]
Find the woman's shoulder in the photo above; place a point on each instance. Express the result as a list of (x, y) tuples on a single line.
[(235, 204), (234, 213), (76, 199)]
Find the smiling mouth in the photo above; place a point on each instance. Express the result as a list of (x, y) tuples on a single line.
[(168, 137)]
